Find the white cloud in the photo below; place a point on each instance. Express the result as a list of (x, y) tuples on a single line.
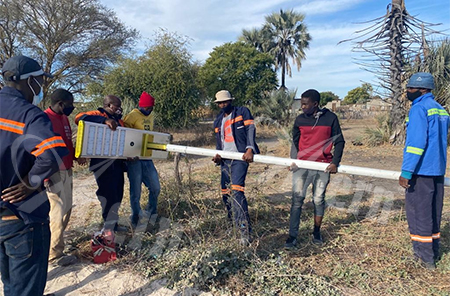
[(211, 23), (315, 7)]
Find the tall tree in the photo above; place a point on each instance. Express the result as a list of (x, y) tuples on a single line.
[(286, 37), (247, 73), (391, 40), (73, 39), (166, 71)]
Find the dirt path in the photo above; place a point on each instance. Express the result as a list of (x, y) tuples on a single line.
[(86, 278)]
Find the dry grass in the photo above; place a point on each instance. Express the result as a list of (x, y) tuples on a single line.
[(198, 136), (366, 250)]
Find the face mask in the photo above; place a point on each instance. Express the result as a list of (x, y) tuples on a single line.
[(146, 113), (37, 98), (413, 95), (68, 110), (309, 111), (118, 114), (227, 109)]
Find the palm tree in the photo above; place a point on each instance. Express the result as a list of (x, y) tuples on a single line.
[(286, 36), (254, 38), (387, 44), (277, 108), (436, 60)]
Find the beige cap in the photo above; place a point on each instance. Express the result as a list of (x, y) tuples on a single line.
[(223, 96)]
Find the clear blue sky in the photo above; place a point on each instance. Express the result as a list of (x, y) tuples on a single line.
[(328, 67)]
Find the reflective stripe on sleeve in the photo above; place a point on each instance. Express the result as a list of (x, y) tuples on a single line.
[(12, 126), (248, 122), (414, 150), (53, 142), (436, 111)]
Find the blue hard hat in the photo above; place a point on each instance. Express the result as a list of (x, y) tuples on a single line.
[(421, 80)]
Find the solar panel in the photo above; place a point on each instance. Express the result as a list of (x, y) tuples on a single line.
[(96, 140)]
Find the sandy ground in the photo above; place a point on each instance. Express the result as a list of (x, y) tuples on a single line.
[(86, 278)]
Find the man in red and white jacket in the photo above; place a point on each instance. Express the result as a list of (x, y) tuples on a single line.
[(59, 185), (315, 133)]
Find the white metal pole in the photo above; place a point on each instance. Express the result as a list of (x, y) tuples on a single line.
[(312, 165)]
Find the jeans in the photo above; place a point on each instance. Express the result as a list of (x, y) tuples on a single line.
[(23, 257), (143, 171), (300, 182)]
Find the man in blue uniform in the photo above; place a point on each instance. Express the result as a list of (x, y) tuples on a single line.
[(235, 132), (29, 153), (423, 168)]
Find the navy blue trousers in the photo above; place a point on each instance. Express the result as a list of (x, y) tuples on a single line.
[(424, 202), (233, 188), (110, 180)]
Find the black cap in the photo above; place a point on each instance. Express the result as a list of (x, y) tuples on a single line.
[(21, 67)]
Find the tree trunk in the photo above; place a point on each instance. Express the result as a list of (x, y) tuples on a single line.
[(283, 74), (398, 112)]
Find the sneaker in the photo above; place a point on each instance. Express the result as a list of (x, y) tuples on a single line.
[(66, 260), (317, 238), (291, 242)]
